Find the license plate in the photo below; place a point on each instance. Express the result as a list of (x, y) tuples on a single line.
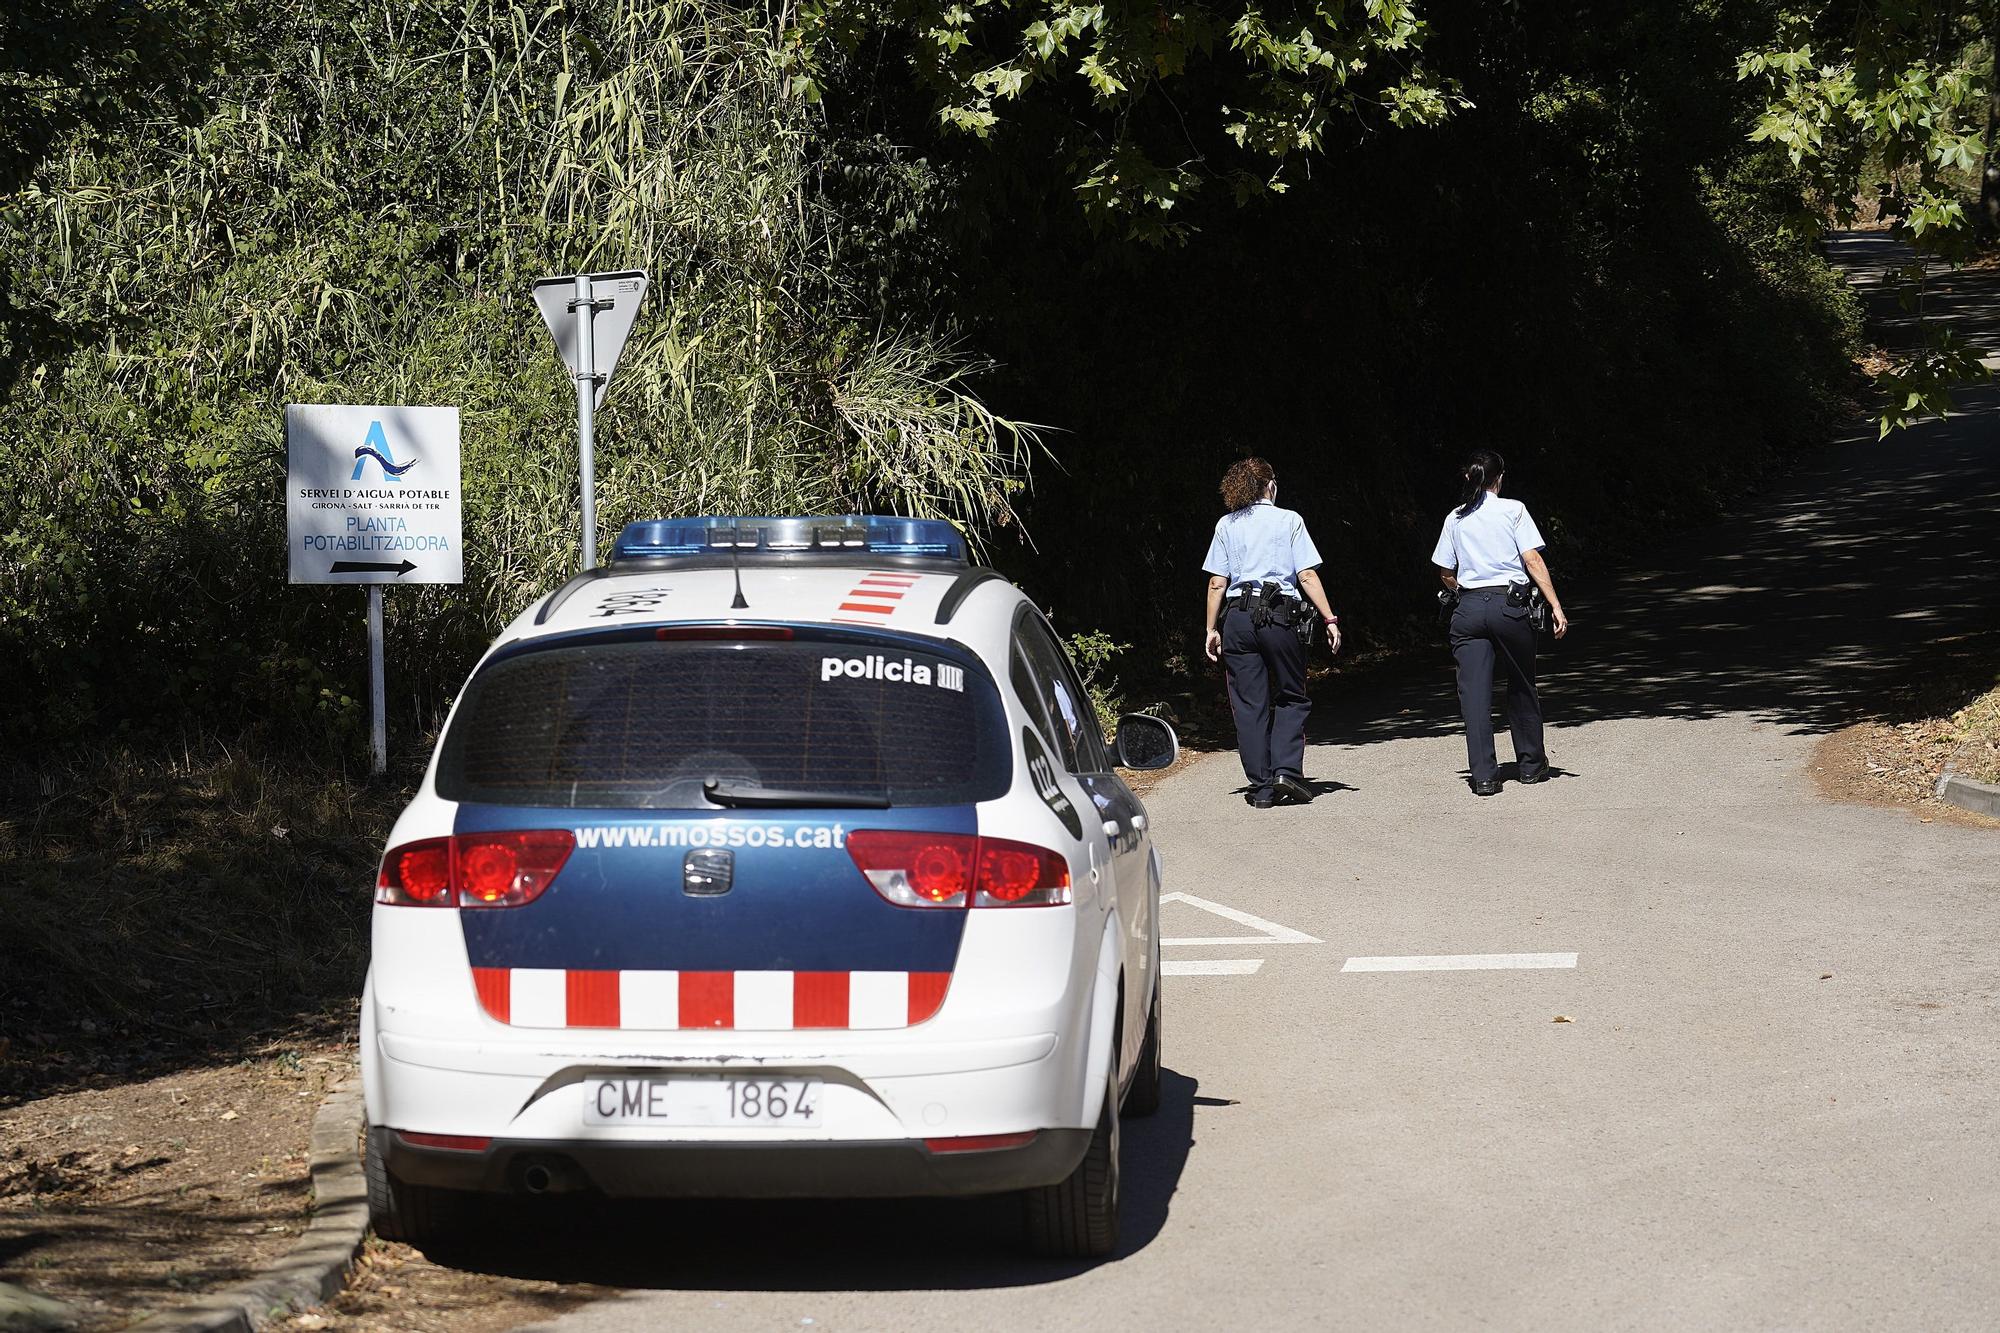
[(702, 1103)]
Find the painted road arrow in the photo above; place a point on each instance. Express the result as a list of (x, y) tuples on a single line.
[(365, 567)]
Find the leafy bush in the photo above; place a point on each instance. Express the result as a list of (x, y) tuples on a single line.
[(1092, 651), (358, 219)]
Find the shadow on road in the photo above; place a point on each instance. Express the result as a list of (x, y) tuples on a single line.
[(821, 1245), (1867, 571)]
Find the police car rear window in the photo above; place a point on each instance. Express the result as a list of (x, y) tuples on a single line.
[(641, 725)]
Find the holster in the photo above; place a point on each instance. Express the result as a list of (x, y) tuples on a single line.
[(1269, 606), (1540, 614), (1266, 607)]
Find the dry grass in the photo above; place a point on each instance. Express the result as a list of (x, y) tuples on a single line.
[(1901, 762), (1967, 742), (173, 908)]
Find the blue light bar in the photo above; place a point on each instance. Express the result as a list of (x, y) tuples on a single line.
[(862, 534)]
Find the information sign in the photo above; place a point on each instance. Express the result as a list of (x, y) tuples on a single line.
[(372, 494)]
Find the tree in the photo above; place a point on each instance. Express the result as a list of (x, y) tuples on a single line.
[(1889, 87), (1989, 179), (1145, 105)]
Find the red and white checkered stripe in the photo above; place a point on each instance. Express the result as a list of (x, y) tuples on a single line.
[(553, 997), (873, 600)]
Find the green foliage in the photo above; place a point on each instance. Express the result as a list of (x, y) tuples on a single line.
[(1900, 88), (359, 220), (1588, 272), (1092, 651), (1144, 107), (1921, 383)]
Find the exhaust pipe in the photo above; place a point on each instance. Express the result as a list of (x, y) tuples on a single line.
[(549, 1174)]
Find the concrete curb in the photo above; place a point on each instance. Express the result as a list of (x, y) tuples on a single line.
[(316, 1268), (1982, 798)]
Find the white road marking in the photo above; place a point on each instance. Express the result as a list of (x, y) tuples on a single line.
[(1213, 967), (1458, 962), (1272, 932)]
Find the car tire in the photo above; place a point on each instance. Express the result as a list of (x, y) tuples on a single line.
[(1077, 1217), (1143, 1097), (417, 1215)]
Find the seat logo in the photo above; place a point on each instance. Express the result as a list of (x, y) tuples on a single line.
[(708, 872), (376, 446)]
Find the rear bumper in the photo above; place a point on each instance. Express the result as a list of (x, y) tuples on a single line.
[(765, 1170), (899, 1093)]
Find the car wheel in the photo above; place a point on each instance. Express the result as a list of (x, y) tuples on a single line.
[(415, 1214), (1077, 1217), (1143, 1097)]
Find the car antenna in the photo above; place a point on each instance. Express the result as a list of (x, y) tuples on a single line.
[(736, 568)]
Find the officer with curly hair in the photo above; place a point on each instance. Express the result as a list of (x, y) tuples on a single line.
[(1262, 568)]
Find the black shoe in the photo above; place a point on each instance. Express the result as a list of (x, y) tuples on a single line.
[(1293, 788), (1261, 799), (1539, 775), (1488, 787)]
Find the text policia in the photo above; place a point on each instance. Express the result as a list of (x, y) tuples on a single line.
[(907, 671)]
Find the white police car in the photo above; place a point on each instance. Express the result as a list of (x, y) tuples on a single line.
[(778, 857)]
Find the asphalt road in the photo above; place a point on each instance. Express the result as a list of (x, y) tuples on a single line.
[(1775, 1101)]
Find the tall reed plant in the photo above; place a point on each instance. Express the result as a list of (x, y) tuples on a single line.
[(360, 220)]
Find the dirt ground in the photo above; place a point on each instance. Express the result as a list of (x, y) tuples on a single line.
[(125, 1200), (395, 1289), (1884, 763)]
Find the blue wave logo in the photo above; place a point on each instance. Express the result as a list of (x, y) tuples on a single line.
[(376, 446)]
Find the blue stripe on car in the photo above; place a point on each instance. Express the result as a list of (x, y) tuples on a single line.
[(789, 909)]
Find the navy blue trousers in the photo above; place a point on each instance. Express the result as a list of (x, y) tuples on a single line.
[(1486, 634), (1267, 695)]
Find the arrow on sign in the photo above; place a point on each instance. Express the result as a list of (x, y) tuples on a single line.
[(366, 567)]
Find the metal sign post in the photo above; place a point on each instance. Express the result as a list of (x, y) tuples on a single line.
[(585, 375), (590, 315), (372, 497), (378, 683)]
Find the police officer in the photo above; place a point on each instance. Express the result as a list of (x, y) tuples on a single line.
[(1488, 551), (1259, 563)]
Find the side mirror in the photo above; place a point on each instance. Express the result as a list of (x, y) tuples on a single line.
[(1145, 742)]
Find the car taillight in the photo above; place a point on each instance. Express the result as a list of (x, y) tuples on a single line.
[(916, 869), (502, 869), (1019, 874), (417, 874), (508, 868), (959, 870)]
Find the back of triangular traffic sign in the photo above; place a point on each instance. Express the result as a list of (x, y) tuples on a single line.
[(609, 326)]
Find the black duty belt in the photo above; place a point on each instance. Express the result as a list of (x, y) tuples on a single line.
[(1248, 598)]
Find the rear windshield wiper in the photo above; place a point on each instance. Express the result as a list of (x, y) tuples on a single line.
[(723, 793)]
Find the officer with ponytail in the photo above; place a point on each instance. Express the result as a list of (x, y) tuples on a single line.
[(1490, 558), (1264, 597)]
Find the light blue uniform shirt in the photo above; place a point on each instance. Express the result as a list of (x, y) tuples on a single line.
[(1261, 543), (1485, 546)]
